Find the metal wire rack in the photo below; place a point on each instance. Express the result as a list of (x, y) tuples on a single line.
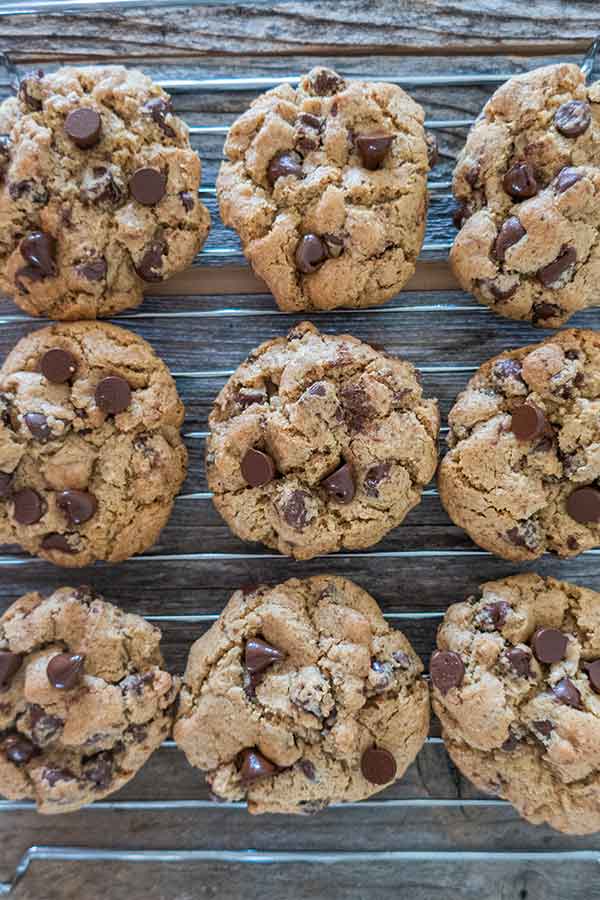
[(226, 254)]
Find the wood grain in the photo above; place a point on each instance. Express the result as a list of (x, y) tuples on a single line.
[(197, 563)]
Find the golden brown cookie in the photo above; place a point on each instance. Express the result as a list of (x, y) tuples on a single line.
[(522, 475), (85, 698), (326, 184), (98, 192), (515, 684), (91, 457), (318, 443), (301, 695), (528, 186)]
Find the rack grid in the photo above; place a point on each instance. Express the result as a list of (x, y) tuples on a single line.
[(407, 313)]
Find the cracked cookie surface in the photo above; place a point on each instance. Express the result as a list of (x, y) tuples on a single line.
[(91, 457), (528, 187), (98, 192), (515, 685), (84, 698), (301, 695), (522, 475), (326, 184), (319, 442)]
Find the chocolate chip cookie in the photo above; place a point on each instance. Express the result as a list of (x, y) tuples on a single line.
[(84, 700), (523, 473), (90, 452), (515, 685), (301, 695), (98, 192), (528, 187), (318, 443), (326, 184)]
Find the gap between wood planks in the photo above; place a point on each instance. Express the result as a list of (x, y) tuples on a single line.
[(429, 276)]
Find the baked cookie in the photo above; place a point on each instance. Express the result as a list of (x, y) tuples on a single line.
[(515, 685), (85, 700), (98, 192), (301, 695), (319, 442), (528, 185), (522, 477), (90, 452), (326, 185)]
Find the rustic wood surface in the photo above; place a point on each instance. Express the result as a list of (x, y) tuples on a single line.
[(203, 324)]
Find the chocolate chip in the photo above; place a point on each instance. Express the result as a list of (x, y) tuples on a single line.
[(148, 186), (257, 468), (44, 727), (593, 672), (54, 775), (519, 661), (294, 510), (525, 534), (29, 506), (494, 614), (159, 109), (39, 250), (259, 655), (495, 289), (38, 426), (6, 481), (10, 663), (378, 766), (334, 245), (27, 89), (583, 505), (375, 475), (528, 422), (401, 658), (340, 484), (460, 214), (326, 82), (138, 733), (78, 506), (433, 155), (511, 743), (58, 365), (18, 749), (572, 543), (565, 179), (65, 670), (150, 266), (99, 770), (542, 311), (550, 274), (93, 269), (573, 118), (311, 253), (507, 368), (56, 541), (447, 670), (101, 188), (83, 126), (543, 726), (510, 233), (566, 692), (188, 201), (254, 766), (519, 182), (286, 163), (318, 389), (113, 395), (373, 148), (308, 769), (549, 645)]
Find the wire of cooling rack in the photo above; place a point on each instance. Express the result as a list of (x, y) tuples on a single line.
[(229, 253)]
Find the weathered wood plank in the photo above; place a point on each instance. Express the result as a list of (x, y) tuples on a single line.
[(350, 27)]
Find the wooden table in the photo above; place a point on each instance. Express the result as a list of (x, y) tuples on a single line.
[(432, 834)]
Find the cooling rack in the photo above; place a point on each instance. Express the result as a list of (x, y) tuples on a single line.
[(430, 828)]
